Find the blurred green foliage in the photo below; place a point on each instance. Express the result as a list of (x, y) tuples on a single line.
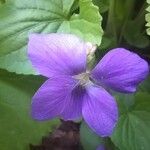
[(17, 128)]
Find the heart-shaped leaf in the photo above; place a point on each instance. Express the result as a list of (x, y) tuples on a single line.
[(133, 128), (19, 18), (148, 17)]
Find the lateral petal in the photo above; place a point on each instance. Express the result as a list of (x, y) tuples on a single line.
[(121, 70), (57, 98)]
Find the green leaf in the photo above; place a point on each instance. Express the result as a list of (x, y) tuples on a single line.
[(134, 31), (2, 1), (17, 128), (133, 128), (145, 85), (86, 24), (134, 35), (102, 4), (147, 17), (89, 140), (107, 42), (19, 18)]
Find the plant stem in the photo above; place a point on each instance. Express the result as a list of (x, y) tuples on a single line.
[(129, 100), (140, 18), (129, 6), (111, 27)]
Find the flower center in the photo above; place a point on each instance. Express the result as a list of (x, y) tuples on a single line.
[(83, 78)]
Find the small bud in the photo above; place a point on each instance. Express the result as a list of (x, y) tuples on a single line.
[(90, 54), (90, 48)]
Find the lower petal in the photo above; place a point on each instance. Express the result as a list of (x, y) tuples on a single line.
[(73, 104), (55, 98), (100, 110)]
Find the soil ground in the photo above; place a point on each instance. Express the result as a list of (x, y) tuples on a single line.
[(65, 137)]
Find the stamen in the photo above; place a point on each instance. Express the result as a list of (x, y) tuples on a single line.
[(83, 78)]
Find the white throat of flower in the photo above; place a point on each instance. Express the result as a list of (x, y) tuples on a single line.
[(84, 78)]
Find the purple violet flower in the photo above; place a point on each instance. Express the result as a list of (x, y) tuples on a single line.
[(72, 91)]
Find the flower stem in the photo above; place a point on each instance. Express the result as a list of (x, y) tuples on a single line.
[(140, 18), (111, 27), (129, 5), (129, 100)]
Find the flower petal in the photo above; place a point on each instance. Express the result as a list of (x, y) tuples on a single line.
[(57, 98), (73, 104), (53, 54), (99, 110), (101, 147), (121, 70)]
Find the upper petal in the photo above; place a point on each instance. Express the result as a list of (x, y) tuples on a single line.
[(57, 97), (53, 54), (100, 110), (121, 70)]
